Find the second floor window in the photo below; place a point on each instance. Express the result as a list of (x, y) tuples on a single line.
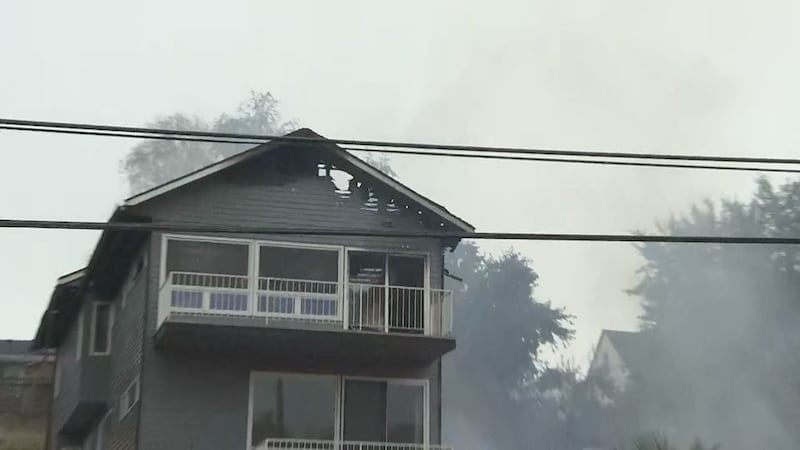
[(101, 329)]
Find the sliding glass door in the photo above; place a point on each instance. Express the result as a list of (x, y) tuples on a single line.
[(384, 411), (386, 292)]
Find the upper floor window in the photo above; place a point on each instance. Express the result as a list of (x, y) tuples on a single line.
[(101, 328)]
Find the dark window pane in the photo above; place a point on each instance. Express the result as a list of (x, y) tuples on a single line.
[(365, 411), (207, 257), (405, 413), (102, 324), (367, 267), (408, 271), (298, 263), (293, 407)]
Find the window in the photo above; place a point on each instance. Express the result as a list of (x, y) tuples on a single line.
[(386, 292), (296, 281), (138, 268), (79, 342), (101, 329), (384, 411), (289, 406), (128, 399)]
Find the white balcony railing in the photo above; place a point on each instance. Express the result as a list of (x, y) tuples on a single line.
[(363, 307), (308, 444)]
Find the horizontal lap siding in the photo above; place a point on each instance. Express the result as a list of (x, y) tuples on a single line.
[(126, 359)]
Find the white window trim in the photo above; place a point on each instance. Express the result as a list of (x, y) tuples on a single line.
[(254, 246), (94, 329), (339, 403), (79, 342), (126, 404)]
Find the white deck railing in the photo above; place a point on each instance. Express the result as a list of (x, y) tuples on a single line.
[(309, 444), (368, 307)]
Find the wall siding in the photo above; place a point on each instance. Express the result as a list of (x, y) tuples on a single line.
[(69, 371), (126, 360), (196, 403)]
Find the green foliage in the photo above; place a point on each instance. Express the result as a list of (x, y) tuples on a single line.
[(501, 330), (153, 162), (722, 320)]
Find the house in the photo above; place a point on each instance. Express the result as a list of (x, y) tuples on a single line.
[(616, 354), (25, 392), (215, 341)]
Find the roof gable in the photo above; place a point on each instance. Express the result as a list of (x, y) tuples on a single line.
[(350, 160)]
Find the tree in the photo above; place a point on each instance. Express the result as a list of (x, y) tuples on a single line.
[(723, 321), (153, 162), (501, 330)]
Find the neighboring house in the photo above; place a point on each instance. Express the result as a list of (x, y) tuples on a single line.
[(215, 341), (617, 352), (25, 392)]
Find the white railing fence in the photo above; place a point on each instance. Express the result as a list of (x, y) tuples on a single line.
[(400, 309), (368, 307), (299, 299), (309, 444)]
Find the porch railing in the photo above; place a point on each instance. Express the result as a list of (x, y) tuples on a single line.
[(354, 306), (309, 444)]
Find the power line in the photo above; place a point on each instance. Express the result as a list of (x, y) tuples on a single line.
[(50, 126), (496, 156), (229, 229)]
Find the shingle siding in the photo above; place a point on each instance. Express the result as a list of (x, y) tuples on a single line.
[(195, 402)]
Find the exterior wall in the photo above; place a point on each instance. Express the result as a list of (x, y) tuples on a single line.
[(25, 393), (68, 371), (196, 402), (607, 361), (126, 357)]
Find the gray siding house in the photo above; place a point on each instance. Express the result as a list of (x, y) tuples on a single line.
[(230, 341)]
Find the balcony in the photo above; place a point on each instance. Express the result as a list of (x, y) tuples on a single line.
[(315, 304), (313, 299), (307, 444)]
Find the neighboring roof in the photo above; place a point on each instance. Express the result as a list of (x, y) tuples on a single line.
[(627, 343), (204, 172), (64, 302), (13, 347)]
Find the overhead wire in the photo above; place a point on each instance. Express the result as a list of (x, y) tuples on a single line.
[(50, 126), (459, 154), (260, 230)]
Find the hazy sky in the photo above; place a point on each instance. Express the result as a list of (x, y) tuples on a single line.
[(713, 77)]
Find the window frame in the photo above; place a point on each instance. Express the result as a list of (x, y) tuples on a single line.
[(340, 399), (126, 404), (417, 382), (93, 334)]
